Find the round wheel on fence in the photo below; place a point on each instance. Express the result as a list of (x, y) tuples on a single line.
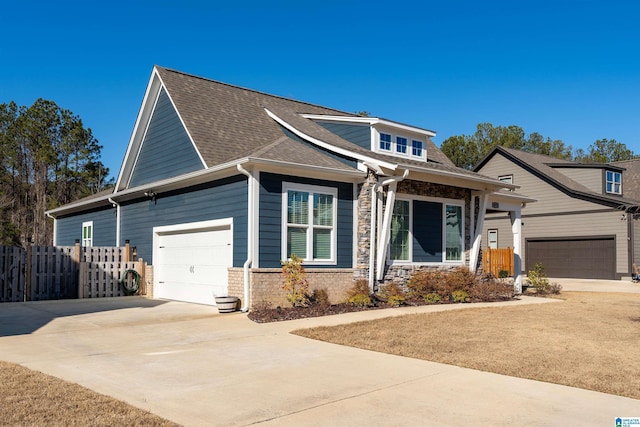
[(130, 281)]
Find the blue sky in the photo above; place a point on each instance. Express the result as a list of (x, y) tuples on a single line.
[(568, 69)]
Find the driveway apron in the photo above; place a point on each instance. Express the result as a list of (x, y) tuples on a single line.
[(191, 365)]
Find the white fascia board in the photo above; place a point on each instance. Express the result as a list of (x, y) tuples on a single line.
[(328, 146), (372, 121)]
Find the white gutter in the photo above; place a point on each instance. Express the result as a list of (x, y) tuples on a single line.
[(386, 223), (117, 205), (251, 182)]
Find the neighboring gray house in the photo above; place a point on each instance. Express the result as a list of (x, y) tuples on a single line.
[(584, 223), (220, 183)]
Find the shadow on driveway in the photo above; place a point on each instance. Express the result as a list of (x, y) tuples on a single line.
[(19, 318)]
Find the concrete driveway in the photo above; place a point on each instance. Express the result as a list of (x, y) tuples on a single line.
[(191, 365)]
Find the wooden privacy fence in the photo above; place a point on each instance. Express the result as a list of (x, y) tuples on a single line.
[(496, 260), (66, 272)]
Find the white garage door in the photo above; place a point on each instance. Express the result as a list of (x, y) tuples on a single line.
[(191, 261)]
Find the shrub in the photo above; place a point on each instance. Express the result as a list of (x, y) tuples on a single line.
[(489, 289), (424, 282), (460, 279), (320, 297), (295, 282), (359, 294), (539, 281), (393, 294), (503, 274), (432, 298), (460, 296)]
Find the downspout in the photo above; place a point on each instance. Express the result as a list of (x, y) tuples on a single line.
[(55, 231), (117, 205), (250, 234), (386, 222)]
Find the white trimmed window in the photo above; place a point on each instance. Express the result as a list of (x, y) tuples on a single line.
[(427, 230), (506, 178), (309, 223), (385, 142), (614, 182), (401, 144), (492, 239), (416, 148), (87, 233)]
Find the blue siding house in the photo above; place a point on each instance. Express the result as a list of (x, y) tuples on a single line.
[(220, 183)]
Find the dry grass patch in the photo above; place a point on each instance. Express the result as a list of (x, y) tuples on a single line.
[(588, 341), (31, 398)]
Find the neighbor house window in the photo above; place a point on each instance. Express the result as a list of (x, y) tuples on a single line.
[(310, 222), (87, 233), (416, 148), (401, 144), (385, 142), (426, 230), (614, 182)]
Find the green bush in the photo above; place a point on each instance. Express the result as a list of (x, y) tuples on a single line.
[(393, 294), (432, 298), (295, 282), (460, 296), (359, 294), (503, 274)]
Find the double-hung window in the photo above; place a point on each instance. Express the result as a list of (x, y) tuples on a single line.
[(416, 148), (427, 231), (614, 182), (385, 141), (87, 233), (401, 144), (309, 225)]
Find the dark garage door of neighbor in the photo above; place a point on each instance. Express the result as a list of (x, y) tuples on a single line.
[(581, 258)]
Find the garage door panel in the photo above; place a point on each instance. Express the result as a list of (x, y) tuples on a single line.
[(192, 265), (586, 258)]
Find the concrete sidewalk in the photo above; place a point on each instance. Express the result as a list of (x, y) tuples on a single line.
[(189, 364)]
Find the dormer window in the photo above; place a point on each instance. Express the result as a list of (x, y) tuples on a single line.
[(401, 144), (416, 148), (385, 141), (614, 182)]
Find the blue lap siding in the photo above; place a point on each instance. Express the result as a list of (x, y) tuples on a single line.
[(226, 198), (270, 222), (167, 150), (69, 228), (358, 134)]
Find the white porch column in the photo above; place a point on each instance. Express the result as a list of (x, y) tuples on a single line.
[(516, 229), (477, 238)]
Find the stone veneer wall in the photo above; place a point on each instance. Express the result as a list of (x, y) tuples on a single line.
[(364, 239)]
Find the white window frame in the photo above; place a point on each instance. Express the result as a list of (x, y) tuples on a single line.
[(612, 182), (492, 231), (87, 241), (444, 202), (508, 179), (422, 147), (312, 190), (393, 146)]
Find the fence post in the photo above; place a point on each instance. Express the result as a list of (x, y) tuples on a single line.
[(27, 283), (141, 270), (127, 252)]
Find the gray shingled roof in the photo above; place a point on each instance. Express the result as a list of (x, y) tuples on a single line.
[(631, 182), (541, 162), (229, 122)]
